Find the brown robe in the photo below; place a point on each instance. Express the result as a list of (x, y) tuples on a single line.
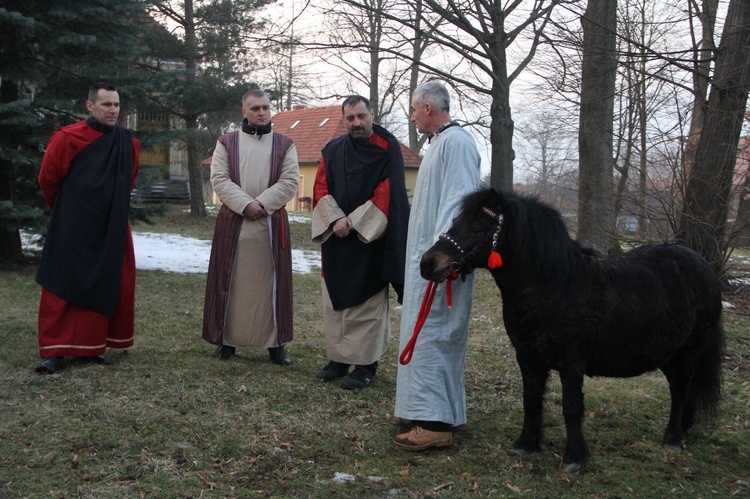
[(249, 285)]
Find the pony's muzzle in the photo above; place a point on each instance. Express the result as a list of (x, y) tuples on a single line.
[(435, 266)]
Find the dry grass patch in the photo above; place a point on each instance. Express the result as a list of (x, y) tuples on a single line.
[(168, 420)]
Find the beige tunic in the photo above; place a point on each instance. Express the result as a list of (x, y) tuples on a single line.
[(360, 334), (250, 314)]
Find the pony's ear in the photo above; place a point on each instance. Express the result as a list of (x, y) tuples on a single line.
[(493, 197), (497, 200)]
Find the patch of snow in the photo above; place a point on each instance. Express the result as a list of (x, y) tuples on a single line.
[(184, 255), (339, 477)]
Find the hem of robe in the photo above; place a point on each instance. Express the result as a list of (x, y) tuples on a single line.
[(66, 330), (239, 330), (360, 334)]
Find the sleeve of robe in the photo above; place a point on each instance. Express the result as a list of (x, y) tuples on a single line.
[(279, 194), (56, 163), (325, 209), (370, 220), (230, 193)]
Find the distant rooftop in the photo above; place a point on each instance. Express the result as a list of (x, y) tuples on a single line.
[(312, 128)]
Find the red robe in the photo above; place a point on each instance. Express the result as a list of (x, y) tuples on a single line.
[(66, 329)]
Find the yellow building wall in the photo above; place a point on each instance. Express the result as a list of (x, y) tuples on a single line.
[(307, 179)]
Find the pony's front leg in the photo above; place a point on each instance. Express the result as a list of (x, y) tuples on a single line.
[(534, 384), (576, 449)]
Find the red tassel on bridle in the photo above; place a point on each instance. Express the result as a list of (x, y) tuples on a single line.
[(495, 260)]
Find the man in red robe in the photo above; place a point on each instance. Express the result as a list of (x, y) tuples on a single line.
[(360, 215), (87, 269)]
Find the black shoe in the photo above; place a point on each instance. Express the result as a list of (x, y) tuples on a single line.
[(47, 365), (333, 370), (361, 377), (279, 356), (224, 352), (101, 359)]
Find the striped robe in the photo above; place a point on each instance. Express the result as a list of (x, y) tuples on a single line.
[(248, 299)]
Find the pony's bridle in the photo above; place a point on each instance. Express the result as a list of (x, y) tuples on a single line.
[(463, 264)]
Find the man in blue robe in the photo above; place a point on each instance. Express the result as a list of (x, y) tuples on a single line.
[(430, 389)]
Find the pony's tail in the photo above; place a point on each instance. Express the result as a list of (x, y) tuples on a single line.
[(705, 388)]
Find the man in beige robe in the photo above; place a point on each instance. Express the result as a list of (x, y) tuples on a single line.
[(254, 172)]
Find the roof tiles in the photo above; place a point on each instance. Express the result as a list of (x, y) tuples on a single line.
[(312, 128)]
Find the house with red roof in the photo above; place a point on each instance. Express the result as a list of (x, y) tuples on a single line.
[(311, 129)]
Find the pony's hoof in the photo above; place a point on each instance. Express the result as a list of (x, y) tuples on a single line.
[(673, 447), (521, 452), (572, 467)]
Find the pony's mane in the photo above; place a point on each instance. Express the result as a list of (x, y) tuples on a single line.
[(534, 233)]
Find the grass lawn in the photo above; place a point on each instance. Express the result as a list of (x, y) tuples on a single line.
[(168, 420)]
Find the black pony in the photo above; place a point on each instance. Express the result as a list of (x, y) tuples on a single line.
[(656, 307)]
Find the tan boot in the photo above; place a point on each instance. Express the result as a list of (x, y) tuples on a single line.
[(420, 439)]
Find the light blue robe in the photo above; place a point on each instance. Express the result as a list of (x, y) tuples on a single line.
[(431, 386)]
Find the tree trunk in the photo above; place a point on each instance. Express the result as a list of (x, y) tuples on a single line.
[(501, 126), (10, 237), (708, 193), (197, 202), (702, 66), (596, 216), (415, 144)]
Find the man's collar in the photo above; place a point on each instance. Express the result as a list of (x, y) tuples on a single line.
[(98, 126), (441, 129)]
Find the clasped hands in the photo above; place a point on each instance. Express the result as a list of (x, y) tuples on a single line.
[(342, 227), (255, 210)]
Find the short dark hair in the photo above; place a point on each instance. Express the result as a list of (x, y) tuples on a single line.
[(353, 100), (255, 92), (94, 90)]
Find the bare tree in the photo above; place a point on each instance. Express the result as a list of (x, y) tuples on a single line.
[(359, 46), (704, 219), (596, 215), (477, 35), (548, 158), (703, 50)]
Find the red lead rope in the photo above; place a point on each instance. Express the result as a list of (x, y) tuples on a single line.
[(424, 311)]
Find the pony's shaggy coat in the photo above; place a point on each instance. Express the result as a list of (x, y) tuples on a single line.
[(565, 309)]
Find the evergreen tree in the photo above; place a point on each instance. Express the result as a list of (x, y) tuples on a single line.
[(212, 52), (50, 53)]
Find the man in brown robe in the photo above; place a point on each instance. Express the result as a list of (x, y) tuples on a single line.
[(248, 302)]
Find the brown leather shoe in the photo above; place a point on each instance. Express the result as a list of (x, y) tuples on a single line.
[(420, 439)]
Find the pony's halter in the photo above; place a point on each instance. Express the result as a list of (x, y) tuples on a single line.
[(499, 218), (463, 264)]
